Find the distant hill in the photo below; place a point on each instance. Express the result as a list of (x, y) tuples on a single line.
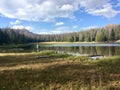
[(8, 35), (109, 33), (111, 26)]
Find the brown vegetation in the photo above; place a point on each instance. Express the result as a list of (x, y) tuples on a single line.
[(69, 73)]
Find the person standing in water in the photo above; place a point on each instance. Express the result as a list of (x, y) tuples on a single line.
[(37, 47)]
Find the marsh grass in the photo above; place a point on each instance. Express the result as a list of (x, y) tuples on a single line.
[(68, 73), (47, 52), (53, 54)]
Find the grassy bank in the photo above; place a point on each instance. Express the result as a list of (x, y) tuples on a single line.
[(58, 72)]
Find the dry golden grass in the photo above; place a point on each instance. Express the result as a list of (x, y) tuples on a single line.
[(31, 66), (27, 72), (14, 54), (118, 41)]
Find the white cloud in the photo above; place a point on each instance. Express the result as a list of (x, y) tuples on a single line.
[(118, 4), (50, 32), (35, 10), (21, 27), (92, 4), (106, 11), (63, 29), (75, 26), (99, 8), (67, 7), (59, 24), (15, 22), (57, 30), (44, 32), (89, 27), (48, 10)]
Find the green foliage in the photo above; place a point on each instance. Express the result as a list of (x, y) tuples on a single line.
[(52, 53), (115, 61), (46, 52), (12, 36), (60, 55), (100, 37)]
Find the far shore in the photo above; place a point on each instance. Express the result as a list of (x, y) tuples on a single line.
[(75, 42), (65, 42), (118, 41)]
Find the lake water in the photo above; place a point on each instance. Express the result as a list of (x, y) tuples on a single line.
[(72, 48), (88, 49)]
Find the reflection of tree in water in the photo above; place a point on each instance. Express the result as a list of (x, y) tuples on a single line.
[(117, 51), (106, 51), (111, 51), (93, 50), (101, 50)]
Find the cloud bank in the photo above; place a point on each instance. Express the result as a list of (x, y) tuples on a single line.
[(22, 27), (15, 22), (48, 10)]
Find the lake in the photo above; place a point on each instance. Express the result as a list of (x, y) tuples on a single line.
[(72, 48)]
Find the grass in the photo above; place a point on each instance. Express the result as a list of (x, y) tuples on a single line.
[(52, 54), (27, 72)]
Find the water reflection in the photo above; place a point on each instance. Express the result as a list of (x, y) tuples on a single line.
[(91, 49)]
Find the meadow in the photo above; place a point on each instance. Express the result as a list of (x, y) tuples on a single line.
[(49, 70)]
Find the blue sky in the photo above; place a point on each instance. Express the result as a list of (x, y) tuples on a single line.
[(58, 16)]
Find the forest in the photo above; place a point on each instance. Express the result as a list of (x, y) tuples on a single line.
[(109, 33)]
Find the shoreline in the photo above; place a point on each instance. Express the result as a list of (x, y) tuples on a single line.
[(67, 42), (77, 42), (117, 42)]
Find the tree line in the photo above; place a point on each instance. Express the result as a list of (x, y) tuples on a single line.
[(105, 34)]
